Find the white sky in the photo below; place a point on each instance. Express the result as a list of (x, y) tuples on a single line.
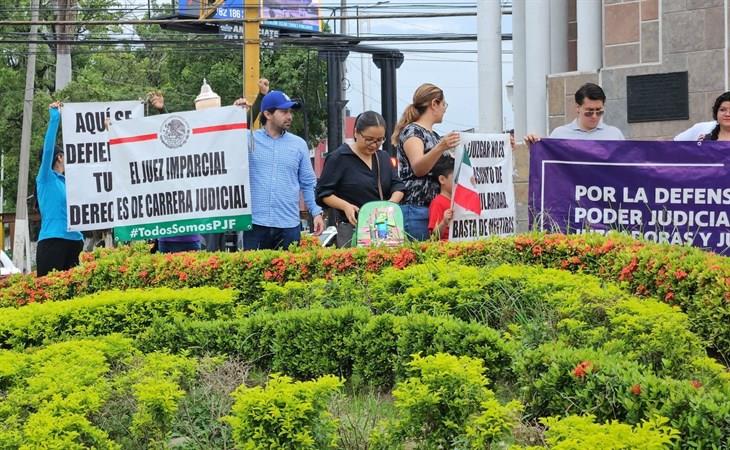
[(455, 73)]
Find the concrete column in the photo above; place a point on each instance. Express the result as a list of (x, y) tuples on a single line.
[(519, 97), (558, 36), (590, 38), (537, 54), (388, 63), (489, 48)]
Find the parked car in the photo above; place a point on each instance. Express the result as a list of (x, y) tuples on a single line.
[(6, 265)]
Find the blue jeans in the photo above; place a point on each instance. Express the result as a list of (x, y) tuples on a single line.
[(415, 221), (261, 237), (175, 247)]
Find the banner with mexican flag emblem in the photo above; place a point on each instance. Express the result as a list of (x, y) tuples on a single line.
[(180, 174), (465, 189), (483, 197)]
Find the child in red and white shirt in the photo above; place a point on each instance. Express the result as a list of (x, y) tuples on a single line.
[(439, 211)]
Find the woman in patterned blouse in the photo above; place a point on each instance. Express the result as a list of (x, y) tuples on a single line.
[(419, 147)]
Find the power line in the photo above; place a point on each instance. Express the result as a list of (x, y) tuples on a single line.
[(328, 6), (213, 21)]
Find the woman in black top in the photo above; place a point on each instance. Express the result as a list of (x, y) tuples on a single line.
[(721, 113), (351, 173)]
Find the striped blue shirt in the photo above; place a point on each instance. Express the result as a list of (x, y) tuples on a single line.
[(279, 169)]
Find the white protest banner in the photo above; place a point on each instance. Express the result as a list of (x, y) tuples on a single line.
[(182, 173), (87, 160), (483, 196)]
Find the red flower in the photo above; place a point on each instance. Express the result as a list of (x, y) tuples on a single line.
[(696, 384), (636, 389), (522, 242), (182, 276), (87, 257), (404, 258), (143, 274), (680, 274), (536, 250), (214, 262), (582, 369), (123, 269), (669, 296), (628, 270)]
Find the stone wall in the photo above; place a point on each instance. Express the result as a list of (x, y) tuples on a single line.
[(641, 37), (691, 37), (644, 37)]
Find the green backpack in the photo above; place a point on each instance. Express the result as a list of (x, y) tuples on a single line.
[(379, 223)]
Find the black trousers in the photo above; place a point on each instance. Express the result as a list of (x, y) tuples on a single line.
[(57, 254)]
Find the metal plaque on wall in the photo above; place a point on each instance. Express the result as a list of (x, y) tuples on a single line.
[(657, 97)]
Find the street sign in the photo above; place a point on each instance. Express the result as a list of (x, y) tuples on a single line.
[(235, 32), (270, 10)]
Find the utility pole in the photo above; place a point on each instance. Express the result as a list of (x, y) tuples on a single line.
[(251, 43), (343, 68), (489, 48), (21, 245), (66, 12), (2, 199), (251, 52)]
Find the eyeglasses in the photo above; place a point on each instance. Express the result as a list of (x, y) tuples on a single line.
[(591, 112), (372, 140)]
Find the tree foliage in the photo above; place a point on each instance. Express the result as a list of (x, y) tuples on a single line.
[(127, 72)]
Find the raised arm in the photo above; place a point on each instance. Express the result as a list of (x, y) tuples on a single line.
[(49, 144)]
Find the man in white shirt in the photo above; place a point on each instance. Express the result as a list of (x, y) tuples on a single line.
[(588, 125)]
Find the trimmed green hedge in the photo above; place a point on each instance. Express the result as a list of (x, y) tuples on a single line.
[(346, 341), (538, 304), (128, 312), (692, 279)]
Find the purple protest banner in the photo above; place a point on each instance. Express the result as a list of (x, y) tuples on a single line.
[(675, 192)]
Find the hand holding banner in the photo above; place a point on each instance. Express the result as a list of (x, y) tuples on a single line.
[(671, 192), (483, 196), (184, 173), (88, 160)]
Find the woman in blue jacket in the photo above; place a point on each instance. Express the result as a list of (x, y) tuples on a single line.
[(58, 248)]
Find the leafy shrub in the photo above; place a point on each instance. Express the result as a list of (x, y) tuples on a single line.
[(128, 312), (155, 384), (547, 304), (558, 380), (653, 334), (697, 281), (285, 414), (581, 432), (346, 340), (446, 404), (60, 387)]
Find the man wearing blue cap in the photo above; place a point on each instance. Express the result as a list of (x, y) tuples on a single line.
[(279, 168)]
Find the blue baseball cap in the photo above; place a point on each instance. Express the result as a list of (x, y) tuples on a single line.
[(278, 100)]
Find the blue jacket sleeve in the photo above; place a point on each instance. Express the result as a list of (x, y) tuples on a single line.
[(49, 144), (307, 182)]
